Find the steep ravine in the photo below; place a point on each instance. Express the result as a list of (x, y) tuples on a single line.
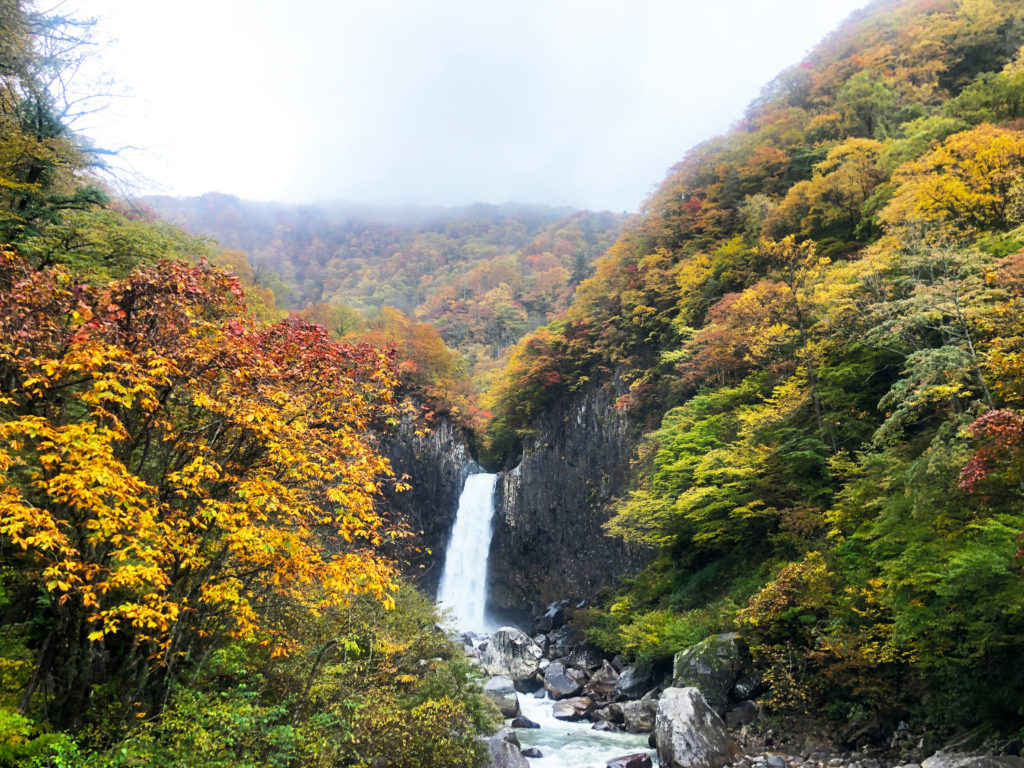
[(548, 541)]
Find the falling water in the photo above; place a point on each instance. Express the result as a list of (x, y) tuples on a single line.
[(464, 581)]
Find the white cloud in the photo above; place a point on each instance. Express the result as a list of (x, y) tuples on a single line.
[(580, 102)]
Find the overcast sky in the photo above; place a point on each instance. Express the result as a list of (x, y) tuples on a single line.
[(569, 102)]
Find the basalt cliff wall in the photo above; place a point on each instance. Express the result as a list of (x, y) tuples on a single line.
[(437, 464), (548, 539)]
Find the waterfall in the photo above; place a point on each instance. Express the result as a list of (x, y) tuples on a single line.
[(464, 581)]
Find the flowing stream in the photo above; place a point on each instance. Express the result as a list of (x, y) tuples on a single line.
[(464, 580), (464, 590), (574, 745)]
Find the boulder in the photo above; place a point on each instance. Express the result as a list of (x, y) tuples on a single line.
[(639, 716), (584, 656), (744, 713), (964, 760), (530, 684), (523, 722), (575, 708), (501, 691), (611, 712), (634, 682), (513, 654), (747, 687), (531, 752), (712, 666), (503, 750), (637, 760), (561, 642), (602, 683), (561, 681), (604, 725), (689, 733), (553, 618), (542, 642)]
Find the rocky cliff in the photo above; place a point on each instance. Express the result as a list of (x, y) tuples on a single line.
[(437, 464), (548, 542)]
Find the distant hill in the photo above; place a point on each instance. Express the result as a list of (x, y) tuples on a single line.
[(483, 274)]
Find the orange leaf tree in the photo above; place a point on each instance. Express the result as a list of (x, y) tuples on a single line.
[(171, 474)]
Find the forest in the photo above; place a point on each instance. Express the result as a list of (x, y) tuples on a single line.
[(819, 317)]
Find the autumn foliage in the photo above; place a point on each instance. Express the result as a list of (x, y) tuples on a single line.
[(173, 473)]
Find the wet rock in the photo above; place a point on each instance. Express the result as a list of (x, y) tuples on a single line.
[(503, 750), (604, 725), (561, 681), (502, 692), (639, 716), (540, 693), (601, 686), (712, 666), (689, 734), (530, 684), (575, 708), (611, 712), (634, 682), (512, 653), (775, 761), (523, 722), (638, 760), (531, 752)]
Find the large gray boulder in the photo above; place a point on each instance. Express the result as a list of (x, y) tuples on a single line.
[(561, 681), (634, 682), (502, 692), (503, 750), (601, 686), (512, 653), (689, 734), (575, 708), (964, 760), (640, 716), (713, 666)]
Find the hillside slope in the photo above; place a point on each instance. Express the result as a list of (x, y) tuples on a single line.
[(819, 319)]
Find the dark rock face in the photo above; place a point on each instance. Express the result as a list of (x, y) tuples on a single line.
[(438, 464), (548, 543), (523, 722)]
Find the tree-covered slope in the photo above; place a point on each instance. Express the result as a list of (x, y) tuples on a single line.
[(483, 275), (820, 314), (195, 566)]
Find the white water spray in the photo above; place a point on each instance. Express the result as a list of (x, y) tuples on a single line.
[(464, 581)]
